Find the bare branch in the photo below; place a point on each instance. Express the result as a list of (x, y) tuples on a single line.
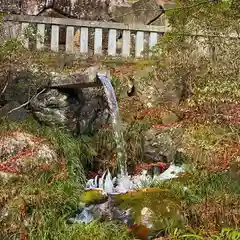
[(4, 89), (26, 103)]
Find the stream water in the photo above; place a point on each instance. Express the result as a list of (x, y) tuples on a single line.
[(116, 122)]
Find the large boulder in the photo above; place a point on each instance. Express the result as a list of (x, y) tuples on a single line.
[(142, 11), (74, 101), (20, 151), (71, 109), (90, 10)]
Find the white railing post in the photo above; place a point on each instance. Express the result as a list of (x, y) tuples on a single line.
[(25, 38), (112, 43), (152, 40), (69, 39), (55, 38), (126, 43), (98, 41), (84, 40), (40, 35), (139, 44)]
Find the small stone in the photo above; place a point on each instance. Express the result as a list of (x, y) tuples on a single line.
[(161, 144), (169, 117)]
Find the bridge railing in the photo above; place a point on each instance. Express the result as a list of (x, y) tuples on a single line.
[(134, 39)]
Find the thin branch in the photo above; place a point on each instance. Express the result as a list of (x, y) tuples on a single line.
[(26, 103), (4, 89), (7, 82)]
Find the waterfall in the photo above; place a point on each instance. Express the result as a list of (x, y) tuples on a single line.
[(116, 122)]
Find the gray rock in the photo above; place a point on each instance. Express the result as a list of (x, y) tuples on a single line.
[(103, 211), (80, 79), (97, 10), (141, 12), (71, 108), (78, 9), (153, 91), (17, 115), (162, 142)]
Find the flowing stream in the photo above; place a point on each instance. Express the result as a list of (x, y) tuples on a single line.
[(123, 182), (116, 122)]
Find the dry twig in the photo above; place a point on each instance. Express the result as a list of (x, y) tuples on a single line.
[(26, 103)]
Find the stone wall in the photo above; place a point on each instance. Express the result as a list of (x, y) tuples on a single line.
[(141, 11)]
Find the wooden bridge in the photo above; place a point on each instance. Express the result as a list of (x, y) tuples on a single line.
[(79, 37)]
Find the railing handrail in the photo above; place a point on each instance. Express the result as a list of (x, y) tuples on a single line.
[(84, 23)]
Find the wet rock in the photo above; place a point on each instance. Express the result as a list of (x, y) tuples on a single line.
[(162, 142), (17, 115), (103, 211)]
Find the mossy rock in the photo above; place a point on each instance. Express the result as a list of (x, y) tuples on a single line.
[(163, 207), (93, 196)]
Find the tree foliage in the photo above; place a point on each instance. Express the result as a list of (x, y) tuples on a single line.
[(201, 52)]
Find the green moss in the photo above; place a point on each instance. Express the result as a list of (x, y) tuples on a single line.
[(163, 204), (92, 196)]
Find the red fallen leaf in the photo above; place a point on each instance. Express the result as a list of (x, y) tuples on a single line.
[(44, 167), (91, 175), (14, 133), (139, 231), (24, 235), (22, 211), (36, 140), (144, 166), (162, 126), (24, 153), (9, 169), (63, 165)]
